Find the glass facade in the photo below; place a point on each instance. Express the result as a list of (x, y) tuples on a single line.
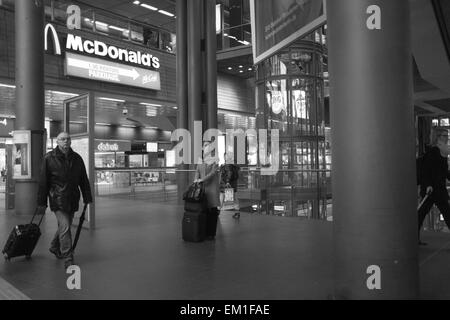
[(290, 98), (234, 27)]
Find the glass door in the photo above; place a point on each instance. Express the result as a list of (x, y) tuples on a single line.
[(79, 122)]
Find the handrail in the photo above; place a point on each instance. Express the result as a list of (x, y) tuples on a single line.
[(245, 169), (160, 169)]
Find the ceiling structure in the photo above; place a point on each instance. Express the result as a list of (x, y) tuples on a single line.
[(141, 11)]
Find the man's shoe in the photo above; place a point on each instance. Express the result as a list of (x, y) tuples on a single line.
[(422, 243), (56, 252)]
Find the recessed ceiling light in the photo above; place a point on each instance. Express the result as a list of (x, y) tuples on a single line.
[(241, 71), (64, 93), (240, 66), (149, 7), (230, 68), (110, 99), (250, 69), (136, 2), (166, 13), (150, 104), (7, 85), (117, 28), (101, 24)]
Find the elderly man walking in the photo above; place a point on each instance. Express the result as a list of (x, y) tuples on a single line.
[(63, 174)]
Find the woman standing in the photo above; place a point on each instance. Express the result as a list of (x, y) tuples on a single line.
[(208, 173)]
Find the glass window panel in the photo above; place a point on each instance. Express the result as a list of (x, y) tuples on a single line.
[(78, 116), (151, 37), (166, 41), (137, 33)]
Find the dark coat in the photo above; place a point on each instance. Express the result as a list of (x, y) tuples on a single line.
[(435, 174), (60, 180)]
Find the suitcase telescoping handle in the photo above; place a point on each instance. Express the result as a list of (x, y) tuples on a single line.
[(34, 215)]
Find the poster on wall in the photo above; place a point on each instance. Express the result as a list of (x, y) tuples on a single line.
[(278, 23), (21, 154)]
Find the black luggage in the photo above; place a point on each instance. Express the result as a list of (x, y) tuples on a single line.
[(195, 192), (194, 226), (194, 219), (22, 240)]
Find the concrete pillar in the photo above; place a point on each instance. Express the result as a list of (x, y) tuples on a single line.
[(211, 64), (195, 72), (30, 111), (372, 120), (182, 86)]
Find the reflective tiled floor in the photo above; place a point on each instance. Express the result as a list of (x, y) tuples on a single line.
[(137, 253)]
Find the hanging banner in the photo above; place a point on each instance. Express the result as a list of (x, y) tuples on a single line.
[(278, 23)]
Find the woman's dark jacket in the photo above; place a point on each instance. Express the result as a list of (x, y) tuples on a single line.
[(436, 173), (59, 180)]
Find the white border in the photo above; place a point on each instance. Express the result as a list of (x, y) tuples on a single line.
[(300, 33)]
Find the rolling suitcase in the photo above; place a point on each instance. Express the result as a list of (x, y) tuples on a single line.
[(194, 226), (22, 240), (194, 219)]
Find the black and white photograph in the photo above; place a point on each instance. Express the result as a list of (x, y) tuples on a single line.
[(224, 158)]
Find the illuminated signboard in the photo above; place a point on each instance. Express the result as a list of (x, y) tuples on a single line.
[(112, 146), (99, 49), (103, 70)]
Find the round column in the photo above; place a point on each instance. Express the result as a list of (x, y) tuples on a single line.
[(30, 100), (372, 120)]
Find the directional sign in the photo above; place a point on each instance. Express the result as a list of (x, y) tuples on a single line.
[(103, 70)]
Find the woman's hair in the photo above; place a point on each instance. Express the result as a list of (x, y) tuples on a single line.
[(436, 133)]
